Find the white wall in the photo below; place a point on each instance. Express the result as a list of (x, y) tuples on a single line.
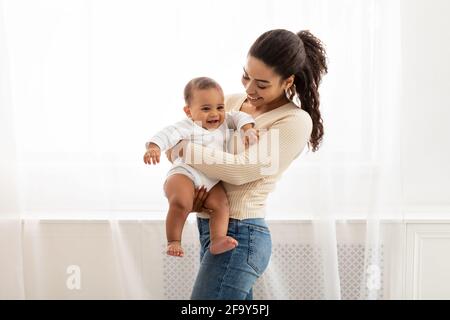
[(426, 104)]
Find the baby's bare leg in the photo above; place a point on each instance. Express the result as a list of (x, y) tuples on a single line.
[(179, 191), (218, 223)]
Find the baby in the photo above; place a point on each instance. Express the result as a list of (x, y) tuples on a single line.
[(207, 124)]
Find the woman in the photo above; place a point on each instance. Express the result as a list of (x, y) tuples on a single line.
[(280, 65)]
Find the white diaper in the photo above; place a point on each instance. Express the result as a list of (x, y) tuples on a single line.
[(198, 178)]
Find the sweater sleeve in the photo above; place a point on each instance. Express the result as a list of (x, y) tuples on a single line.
[(274, 152)]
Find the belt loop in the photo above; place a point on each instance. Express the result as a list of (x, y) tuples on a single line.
[(232, 225), (199, 225)]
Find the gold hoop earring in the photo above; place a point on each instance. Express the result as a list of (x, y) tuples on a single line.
[(287, 93), (292, 95)]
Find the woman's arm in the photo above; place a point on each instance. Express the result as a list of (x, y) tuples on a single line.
[(286, 139)]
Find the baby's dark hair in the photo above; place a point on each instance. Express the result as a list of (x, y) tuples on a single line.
[(200, 83)]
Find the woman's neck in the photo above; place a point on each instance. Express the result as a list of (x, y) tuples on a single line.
[(280, 101)]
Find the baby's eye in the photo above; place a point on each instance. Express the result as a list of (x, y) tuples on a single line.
[(220, 108)]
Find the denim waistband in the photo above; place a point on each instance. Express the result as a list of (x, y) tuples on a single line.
[(234, 224)]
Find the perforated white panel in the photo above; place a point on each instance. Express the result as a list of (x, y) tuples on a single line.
[(295, 272), (180, 273), (351, 271)]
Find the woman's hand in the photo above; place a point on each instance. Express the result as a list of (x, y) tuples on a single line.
[(176, 151), (199, 200), (169, 155)]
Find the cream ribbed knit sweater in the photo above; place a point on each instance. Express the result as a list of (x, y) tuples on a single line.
[(246, 181)]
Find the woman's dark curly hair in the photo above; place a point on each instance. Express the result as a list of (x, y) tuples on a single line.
[(301, 55)]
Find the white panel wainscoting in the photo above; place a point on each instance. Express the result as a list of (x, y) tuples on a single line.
[(124, 259), (427, 274)]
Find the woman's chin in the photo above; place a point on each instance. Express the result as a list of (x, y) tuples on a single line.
[(256, 102)]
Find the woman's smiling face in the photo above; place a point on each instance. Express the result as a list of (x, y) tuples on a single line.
[(261, 83)]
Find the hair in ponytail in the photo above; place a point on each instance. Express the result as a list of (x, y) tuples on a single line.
[(302, 55), (307, 83)]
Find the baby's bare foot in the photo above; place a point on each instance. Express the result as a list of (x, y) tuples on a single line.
[(174, 249), (222, 244)]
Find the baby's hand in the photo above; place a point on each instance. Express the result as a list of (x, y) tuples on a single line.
[(153, 154), (251, 135)]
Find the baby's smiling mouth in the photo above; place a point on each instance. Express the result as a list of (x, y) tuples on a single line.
[(216, 121)]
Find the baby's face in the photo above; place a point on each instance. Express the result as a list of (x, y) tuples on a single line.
[(207, 106)]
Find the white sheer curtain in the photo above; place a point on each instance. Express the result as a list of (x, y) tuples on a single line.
[(11, 268), (85, 83), (357, 173)]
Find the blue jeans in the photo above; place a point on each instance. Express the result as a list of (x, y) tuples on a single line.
[(231, 275)]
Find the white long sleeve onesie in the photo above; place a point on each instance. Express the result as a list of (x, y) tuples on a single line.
[(187, 129)]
